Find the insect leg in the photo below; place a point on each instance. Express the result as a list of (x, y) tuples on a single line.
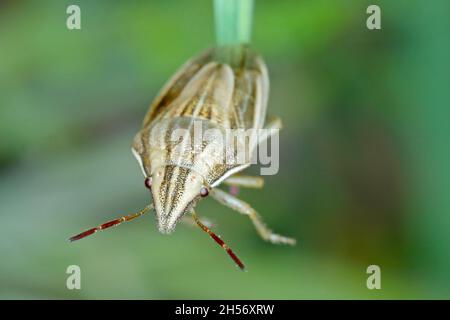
[(219, 241), (207, 222), (110, 224), (273, 125), (244, 208), (245, 181)]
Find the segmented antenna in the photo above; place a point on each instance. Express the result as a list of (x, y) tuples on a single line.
[(221, 243), (111, 223)]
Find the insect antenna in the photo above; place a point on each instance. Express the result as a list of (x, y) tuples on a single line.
[(221, 243), (111, 223)]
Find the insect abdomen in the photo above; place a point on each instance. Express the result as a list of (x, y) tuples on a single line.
[(218, 94), (232, 96)]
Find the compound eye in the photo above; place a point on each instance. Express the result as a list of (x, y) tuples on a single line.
[(148, 182), (204, 192)]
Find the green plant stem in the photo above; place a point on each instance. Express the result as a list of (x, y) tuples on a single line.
[(233, 20)]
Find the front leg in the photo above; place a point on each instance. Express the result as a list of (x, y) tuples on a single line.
[(244, 181), (186, 219), (244, 208), (273, 125)]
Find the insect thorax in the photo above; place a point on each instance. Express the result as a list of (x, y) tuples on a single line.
[(198, 144)]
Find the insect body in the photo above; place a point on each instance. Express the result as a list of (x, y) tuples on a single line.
[(206, 96)]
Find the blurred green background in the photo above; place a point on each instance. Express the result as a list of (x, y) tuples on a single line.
[(364, 175)]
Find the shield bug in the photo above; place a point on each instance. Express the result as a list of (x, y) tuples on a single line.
[(220, 91)]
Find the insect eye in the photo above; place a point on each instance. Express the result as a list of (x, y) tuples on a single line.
[(204, 192), (148, 182)]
